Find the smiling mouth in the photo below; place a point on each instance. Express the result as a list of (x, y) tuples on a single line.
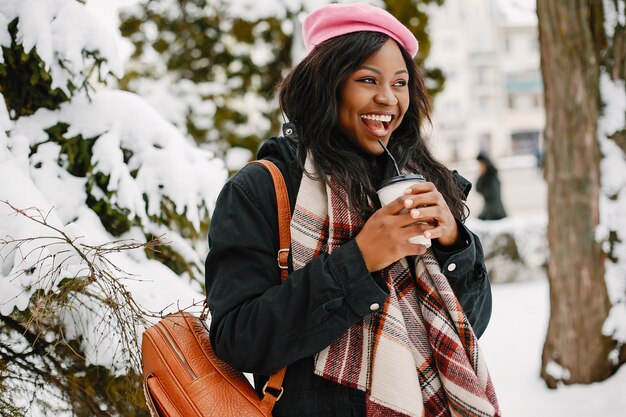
[(377, 123)]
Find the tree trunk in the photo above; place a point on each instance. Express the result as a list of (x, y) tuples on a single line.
[(575, 351)]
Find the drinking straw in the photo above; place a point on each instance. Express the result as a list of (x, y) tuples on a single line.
[(395, 164)]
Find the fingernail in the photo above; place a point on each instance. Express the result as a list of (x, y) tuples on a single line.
[(408, 203), (408, 191), (427, 234), (415, 213)]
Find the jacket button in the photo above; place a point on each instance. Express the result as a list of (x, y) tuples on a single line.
[(374, 307), (452, 267)]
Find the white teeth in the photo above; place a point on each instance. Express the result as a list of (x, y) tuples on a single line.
[(377, 117)]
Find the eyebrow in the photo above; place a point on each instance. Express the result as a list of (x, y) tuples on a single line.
[(378, 72)]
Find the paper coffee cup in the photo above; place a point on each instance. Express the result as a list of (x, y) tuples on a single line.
[(393, 188)]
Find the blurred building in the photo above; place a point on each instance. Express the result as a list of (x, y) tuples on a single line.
[(493, 97)]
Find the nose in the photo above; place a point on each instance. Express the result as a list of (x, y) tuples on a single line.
[(385, 96)]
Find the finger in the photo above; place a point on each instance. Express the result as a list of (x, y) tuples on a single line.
[(431, 214), (424, 199), (414, 216), (413, 248), (415, 229), (397, 205), (435, 232), (420, 188)]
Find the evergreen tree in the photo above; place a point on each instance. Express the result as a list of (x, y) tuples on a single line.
[(221, 70), (88, 178)]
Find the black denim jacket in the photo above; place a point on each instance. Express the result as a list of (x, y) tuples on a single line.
[(259, 325)]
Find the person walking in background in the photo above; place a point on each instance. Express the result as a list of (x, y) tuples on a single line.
[(366, 323), (488, 185)]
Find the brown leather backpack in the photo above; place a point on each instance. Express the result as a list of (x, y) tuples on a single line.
[(182, 375)]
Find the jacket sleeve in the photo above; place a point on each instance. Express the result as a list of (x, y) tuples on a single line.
[(466, 271), (259, 325)]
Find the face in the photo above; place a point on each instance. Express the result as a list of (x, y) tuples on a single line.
[(374, 99)]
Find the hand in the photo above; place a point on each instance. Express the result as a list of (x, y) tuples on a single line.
[(428, 205), (385, 236)]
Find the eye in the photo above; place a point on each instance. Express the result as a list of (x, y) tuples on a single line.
[(400, 83), (368, 80)]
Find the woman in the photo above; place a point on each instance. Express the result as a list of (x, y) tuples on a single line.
[(488, 185), (351, 321)]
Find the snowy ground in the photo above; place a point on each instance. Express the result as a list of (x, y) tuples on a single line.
[(512, 345)]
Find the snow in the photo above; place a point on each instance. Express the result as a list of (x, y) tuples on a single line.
[(153, 286), (557, 372), (60, 31), (107, 13), (149, 163), (613, 203), (18, 287), (176, 99), (237, 157), (167, 167), (513, 344), (614, 14), (517, 247), (158, 150)]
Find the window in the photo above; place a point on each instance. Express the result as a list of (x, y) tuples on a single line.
[(525, 143), (481, 76), (455, 144), (484, 142), (484, 103)]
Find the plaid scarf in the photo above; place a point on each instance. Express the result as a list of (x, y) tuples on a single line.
[(419, 356)]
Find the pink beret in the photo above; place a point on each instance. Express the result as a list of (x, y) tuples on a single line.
[(339, 19)]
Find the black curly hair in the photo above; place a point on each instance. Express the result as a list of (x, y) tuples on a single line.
[(309, 96)]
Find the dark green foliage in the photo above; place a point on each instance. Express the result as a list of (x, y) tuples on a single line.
[(39, 360), (34, 363), (194, 46), (75, 157), (116, 220), (7, 408), (24, 82), (165, 253), (167, 256), (123, 395), (76, 150)]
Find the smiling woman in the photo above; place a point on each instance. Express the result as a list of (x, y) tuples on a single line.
[(374, 99), (367, 323)]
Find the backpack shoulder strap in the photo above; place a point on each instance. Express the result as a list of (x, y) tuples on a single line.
[(275, 382), (284, 214)]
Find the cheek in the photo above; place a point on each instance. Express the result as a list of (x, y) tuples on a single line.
[(404, 106), (404, 103), (343, 118)]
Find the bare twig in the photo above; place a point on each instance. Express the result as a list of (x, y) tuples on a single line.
[(95, 285)]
